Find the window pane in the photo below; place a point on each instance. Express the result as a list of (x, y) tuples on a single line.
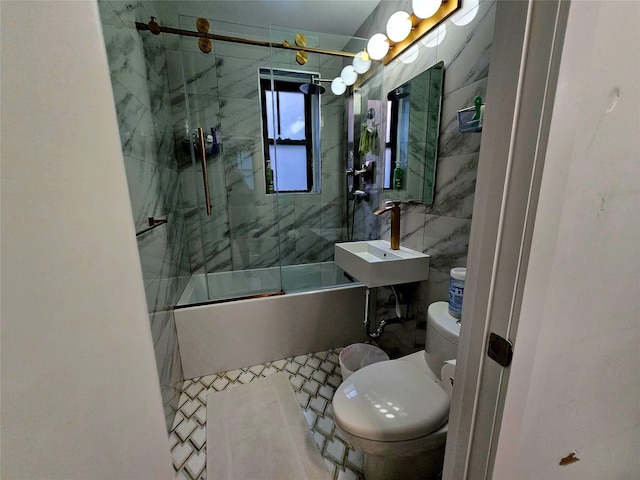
[(387, 136), (292, 115), (290, 168), (387, 168), (268, 98)]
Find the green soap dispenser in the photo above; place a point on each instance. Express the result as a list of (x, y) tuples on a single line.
[(268, 175), (397, 177)]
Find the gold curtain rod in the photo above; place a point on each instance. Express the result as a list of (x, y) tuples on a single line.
[(157, 29)]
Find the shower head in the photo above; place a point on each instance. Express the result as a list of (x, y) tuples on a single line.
[(397, 94), (312, 89)]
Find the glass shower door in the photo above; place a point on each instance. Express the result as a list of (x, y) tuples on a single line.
[(232, 221), (313, 220)]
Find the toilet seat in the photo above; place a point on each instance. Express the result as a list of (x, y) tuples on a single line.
[(390, 401)]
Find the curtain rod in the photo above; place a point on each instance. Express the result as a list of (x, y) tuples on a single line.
[(157, 29)]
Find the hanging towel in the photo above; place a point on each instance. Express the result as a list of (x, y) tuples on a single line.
[(369, 139), (375, 144), (364, 140)]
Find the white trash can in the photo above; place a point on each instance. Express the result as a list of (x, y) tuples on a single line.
[(354, 357)]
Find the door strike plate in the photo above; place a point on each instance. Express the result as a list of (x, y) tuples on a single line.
[(500, 350)]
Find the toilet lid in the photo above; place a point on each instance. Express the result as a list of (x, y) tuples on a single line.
[(390, 401)]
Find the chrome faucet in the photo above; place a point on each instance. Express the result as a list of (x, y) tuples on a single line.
[(394, 207)]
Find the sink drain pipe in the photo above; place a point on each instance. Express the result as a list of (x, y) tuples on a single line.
[(367, 322)]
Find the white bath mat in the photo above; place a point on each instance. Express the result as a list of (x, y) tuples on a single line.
[(257, 432)]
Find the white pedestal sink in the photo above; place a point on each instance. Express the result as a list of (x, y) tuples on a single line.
[(376, 265)]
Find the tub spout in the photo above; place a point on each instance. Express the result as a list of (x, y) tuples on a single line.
[(394, 208)]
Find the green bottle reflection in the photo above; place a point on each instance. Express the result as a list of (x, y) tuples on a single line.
[(397, 177), (269, 178)]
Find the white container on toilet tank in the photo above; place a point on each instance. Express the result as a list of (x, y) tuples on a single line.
[(456, 290)]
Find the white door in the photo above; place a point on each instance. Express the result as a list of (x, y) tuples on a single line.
[(555, 254)]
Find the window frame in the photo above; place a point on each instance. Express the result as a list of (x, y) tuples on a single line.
[(286, 81), (391, 142)]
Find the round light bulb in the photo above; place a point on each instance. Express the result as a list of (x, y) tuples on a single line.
[(398, 26), (377, 47), (337, 86), (466, 14), (362, 62), (425, 8), (349, 75)]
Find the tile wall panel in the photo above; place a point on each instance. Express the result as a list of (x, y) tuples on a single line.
[(221, 90), (139, 74), (442, 229)]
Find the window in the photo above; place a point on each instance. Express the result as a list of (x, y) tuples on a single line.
[(391, 137), (396, 136), (287, 130)]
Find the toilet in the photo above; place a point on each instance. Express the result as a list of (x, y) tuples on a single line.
[(397, 411)]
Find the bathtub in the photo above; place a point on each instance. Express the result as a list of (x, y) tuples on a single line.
[(320, 309), (245, 283)]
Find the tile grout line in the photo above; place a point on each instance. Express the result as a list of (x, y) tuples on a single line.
[(305, 375)]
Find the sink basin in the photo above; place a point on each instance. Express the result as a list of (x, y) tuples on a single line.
[(376, 265)]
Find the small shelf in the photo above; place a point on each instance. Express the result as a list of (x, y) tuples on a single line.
[(470, 118), (211, 149)]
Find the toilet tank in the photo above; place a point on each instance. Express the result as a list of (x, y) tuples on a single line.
[(443, 331)]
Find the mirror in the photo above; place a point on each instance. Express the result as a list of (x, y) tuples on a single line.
[(411, 143)]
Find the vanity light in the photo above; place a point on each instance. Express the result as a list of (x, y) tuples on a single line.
[(377, 47), (425, 8), (399, 26), (349, 75), (337, 86), (362, 62), (405, 30)]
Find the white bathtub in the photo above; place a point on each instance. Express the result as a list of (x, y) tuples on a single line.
[(235, 334), (244, 283)]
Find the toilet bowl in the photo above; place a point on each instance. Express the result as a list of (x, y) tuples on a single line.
[(397, 411)]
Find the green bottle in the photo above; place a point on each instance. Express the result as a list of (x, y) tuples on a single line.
[(268, 175), (397, 177)]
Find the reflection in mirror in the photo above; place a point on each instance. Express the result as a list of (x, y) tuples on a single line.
[(413, 126)]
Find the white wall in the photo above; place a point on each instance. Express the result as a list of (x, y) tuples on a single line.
[(574, 383), (80, 391)]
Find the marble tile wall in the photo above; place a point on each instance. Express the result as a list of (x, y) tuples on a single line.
[(442, 229), (138, 69), (164, 87), (249, 229)]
